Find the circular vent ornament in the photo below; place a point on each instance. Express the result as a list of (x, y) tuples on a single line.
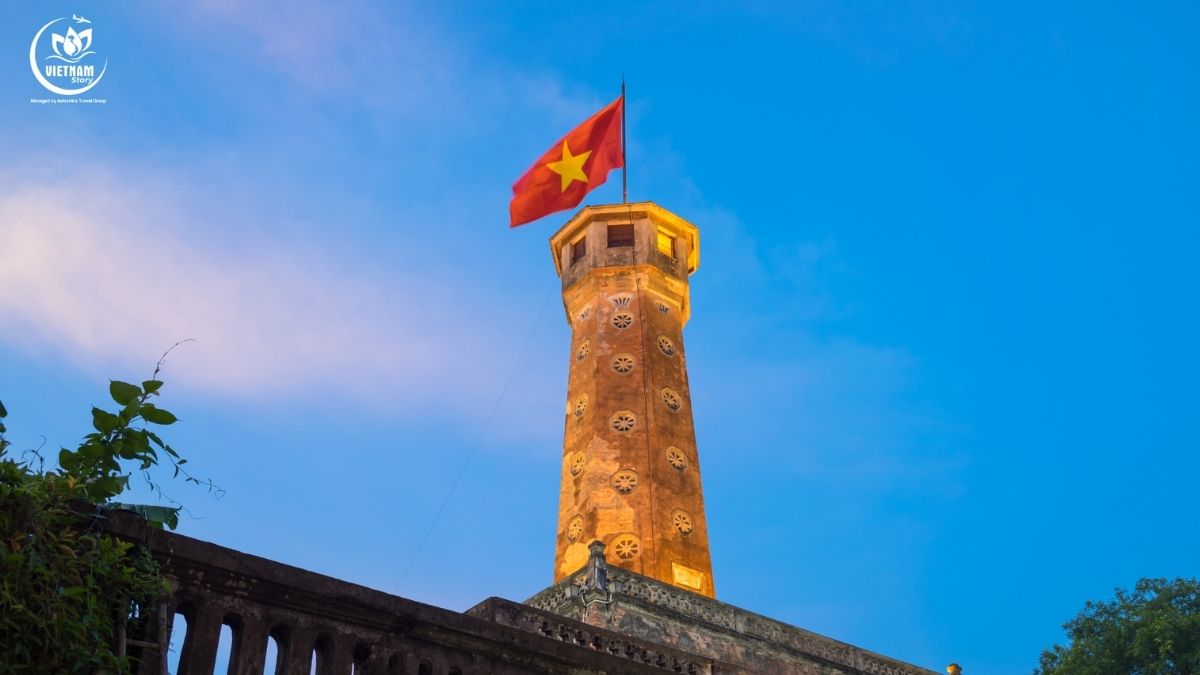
[(575, 528), (584, 349), (682, 521), (676, 458), (623, 421), (672, 398), (575, 466), (623, 363), (666, 346), (624, 481), (626, 546), (622, 320), (581, 405)]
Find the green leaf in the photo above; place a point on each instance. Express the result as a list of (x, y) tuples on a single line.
[(151, 386), (104, 422), (157, 415), (156, 516), (123, 392), (3, 412), (105, 487)]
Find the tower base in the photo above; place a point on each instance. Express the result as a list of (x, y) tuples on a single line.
[(731, 639)]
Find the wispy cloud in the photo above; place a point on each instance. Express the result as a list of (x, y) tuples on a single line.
[(106, 275)]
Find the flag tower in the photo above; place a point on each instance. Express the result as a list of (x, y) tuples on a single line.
[(630, 469)]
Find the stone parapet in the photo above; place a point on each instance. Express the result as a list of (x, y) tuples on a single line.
[(342, 628)]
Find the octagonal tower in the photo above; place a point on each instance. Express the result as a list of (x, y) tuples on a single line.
[(630, 469)]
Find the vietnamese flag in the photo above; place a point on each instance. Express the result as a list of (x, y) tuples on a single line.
[(576, 165)]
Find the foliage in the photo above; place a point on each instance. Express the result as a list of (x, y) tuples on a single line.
[(1155, 630), (65, 584)]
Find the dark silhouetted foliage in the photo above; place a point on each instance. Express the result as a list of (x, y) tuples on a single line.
[(65, 585)]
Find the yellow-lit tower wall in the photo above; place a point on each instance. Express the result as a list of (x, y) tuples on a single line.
[(630, 469)]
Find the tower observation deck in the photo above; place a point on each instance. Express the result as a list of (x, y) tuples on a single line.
[(630, 469)]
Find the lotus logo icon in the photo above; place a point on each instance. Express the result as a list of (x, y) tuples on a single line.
[(73, 47), (66, 64)]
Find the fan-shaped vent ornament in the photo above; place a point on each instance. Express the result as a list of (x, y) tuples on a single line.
[(626, 546), (676, 458), (624, 481), (624, 421), (662, 306), (623, 363), (576, 464), (666, 346), (682, 521), (672, 398), (621, 300)]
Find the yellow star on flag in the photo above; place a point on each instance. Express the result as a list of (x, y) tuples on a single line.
[(570, 167)]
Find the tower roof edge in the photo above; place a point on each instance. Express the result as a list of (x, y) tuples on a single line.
[(627, 212)]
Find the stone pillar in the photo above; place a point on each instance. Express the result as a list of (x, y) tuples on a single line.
[(252, 652), (300, 651), (199, 655)]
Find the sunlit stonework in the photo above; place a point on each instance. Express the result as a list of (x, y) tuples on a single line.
[(641, 495)]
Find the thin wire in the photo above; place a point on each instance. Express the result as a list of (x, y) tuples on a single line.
[(477, 441)]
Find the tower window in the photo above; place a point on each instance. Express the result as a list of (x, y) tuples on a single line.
[(620, 236), (666, 243), (578, 250)]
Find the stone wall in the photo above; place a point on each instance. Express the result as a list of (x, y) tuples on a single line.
[(737, 640), (346, 628), (599, 620)]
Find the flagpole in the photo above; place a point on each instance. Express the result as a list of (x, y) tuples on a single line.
[(624, 155)]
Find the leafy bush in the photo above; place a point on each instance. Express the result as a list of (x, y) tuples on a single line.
[(65, 584)]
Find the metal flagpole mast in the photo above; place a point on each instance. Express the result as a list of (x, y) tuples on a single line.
[(624, 155)]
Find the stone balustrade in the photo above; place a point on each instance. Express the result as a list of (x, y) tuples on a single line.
[(331, 627)]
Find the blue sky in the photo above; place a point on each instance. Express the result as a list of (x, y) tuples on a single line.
[(942, 351)]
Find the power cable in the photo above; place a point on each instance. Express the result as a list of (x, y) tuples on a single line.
[(477, 441)]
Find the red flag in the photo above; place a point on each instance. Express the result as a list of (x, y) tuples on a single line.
[(576, 165)]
